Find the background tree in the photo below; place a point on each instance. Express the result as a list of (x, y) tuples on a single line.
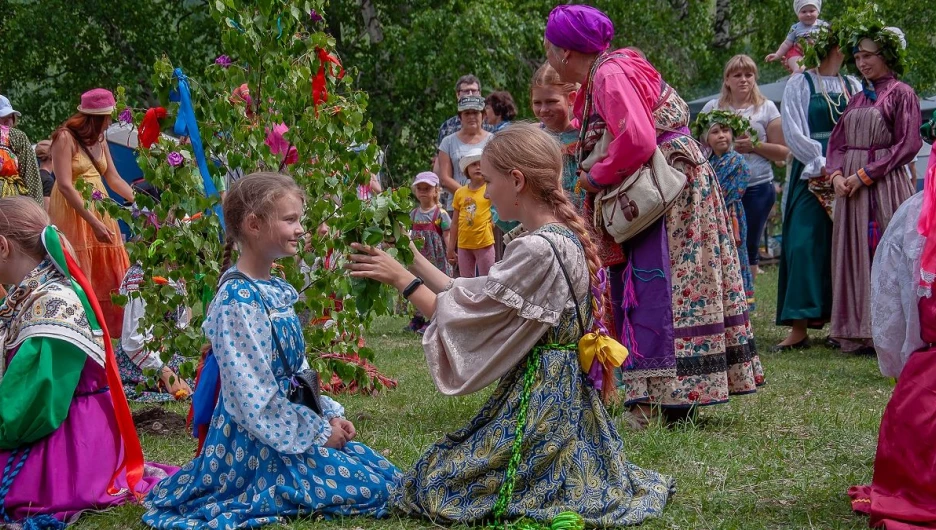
[(53, 50), (302, 116), (407, 55)]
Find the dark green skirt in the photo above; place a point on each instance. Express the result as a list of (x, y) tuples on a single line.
[(805, 287)]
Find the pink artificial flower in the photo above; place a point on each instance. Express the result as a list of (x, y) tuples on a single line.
[(96, 195), (279, 145), (313, 14), (175, 159), (223, 61)]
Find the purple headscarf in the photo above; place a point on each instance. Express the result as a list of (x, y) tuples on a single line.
[(581, 28)]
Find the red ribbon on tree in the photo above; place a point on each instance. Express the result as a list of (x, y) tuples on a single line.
[(132, 463), (319, 86), (149, 128)]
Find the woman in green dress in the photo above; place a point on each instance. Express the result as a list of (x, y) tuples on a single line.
[(812, 103)]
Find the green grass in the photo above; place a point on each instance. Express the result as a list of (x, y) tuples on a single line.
[(782, 458)]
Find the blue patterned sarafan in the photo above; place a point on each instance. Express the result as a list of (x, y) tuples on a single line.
[(264, 458)]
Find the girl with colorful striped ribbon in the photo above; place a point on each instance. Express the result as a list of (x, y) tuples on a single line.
[(67, 440)]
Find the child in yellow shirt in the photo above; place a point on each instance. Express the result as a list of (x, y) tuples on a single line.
[(472, 230)]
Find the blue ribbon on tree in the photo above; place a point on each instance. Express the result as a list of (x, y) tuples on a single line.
[(186, 125)]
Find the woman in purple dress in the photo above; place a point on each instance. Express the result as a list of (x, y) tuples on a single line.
[(67, 441), (677, 298), (869, 150)]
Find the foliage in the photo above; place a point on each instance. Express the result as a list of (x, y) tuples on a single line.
[(817, 46), (53, 50), (739, 125), (276, 48), (426, 47), (865, 23), (409, 54)]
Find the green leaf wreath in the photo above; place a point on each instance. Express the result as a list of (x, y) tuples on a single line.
[(816, 46), (866, 23), (739, 125)]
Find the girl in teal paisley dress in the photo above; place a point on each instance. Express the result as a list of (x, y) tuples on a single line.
[(266, 458), (518, 324), (733, 175)]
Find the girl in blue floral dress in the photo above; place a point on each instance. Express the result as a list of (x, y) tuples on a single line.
[(266, 458)]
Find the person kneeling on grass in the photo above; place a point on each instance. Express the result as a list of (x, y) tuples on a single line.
[(265, 457), (67, 440), (544, 443)]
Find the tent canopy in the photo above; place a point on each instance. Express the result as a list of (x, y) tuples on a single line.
[(774, 92)]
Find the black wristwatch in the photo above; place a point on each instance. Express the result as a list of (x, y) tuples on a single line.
[(411, 288)]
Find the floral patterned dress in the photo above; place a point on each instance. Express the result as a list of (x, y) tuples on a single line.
[(733, 175), (677, 295)]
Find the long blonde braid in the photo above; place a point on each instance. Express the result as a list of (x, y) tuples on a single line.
[(566, 212), (537, 154)]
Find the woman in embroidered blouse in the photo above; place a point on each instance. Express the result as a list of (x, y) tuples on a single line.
[(266, 458), (873, 141), (812, 104), (67, 441), (514, 324), (683, 357)]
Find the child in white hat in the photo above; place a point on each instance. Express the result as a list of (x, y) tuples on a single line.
[(471, 243), (790, 51)]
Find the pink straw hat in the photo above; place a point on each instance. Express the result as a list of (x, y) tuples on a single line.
[(97, 102)]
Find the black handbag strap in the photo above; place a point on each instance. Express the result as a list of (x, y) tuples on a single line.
[(578, 315), (234, 274)]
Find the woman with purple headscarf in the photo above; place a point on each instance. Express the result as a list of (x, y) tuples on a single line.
[(676, 289)]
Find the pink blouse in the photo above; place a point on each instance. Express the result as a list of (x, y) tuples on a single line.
[(625, 91)]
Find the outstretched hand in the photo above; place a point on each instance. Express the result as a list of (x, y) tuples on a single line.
[(371, 262)]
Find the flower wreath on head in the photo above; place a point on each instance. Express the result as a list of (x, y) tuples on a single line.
[(739, 125), (817, 45), (858, 25)]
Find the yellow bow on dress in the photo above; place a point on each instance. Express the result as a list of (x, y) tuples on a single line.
[(607, 351)]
